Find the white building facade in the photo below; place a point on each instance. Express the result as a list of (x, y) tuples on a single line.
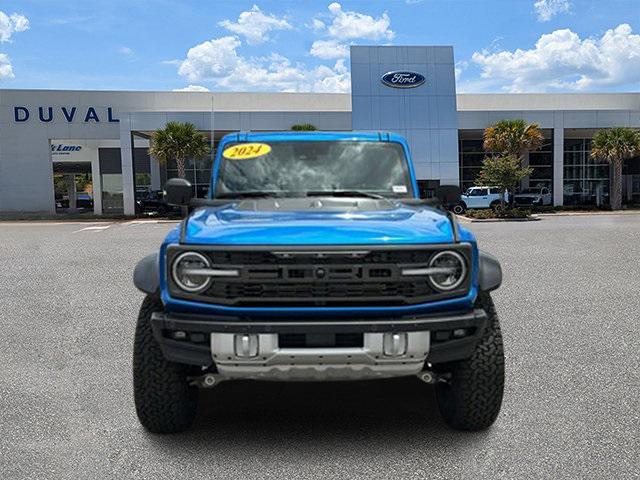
[(67, 151)]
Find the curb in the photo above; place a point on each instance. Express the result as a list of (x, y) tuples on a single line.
[(95, 220), (495, 220), (577, 214)]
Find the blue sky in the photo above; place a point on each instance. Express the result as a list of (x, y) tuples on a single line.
[(220, 45)]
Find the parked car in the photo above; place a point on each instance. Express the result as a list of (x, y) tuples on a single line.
[(153, 201), (480, 197), (536, 196), (84, 201), (342, 273)]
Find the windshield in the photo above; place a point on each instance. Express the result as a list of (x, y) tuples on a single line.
[(314, 167)]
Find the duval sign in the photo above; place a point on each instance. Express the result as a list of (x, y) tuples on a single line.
[(402, 79), (67, 113)]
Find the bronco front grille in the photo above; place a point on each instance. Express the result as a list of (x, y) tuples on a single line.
[(304, 277)]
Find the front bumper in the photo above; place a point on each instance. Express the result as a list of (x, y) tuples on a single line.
[(210, 340)]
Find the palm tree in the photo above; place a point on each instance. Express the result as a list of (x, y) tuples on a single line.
[(513, 138), (615, 145), (178, 141)]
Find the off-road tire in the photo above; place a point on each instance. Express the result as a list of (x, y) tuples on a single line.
[(471, 400), (165, 402), (495, 206)]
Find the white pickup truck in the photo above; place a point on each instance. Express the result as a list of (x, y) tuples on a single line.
[(479, 197), (536, 196)]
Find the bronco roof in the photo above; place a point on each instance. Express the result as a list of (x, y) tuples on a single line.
[(313, 135)]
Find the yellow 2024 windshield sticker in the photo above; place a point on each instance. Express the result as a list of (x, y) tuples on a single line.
[(245, 151)]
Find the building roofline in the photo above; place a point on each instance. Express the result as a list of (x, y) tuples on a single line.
[(548, 101), (71, 90), (341, 102)]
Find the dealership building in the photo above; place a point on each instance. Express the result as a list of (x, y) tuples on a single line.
[(65, 151)]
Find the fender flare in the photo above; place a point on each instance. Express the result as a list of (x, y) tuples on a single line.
[(146, 275), (490, 276)]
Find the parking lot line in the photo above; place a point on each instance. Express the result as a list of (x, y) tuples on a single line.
[(95, 228), (134, 223)]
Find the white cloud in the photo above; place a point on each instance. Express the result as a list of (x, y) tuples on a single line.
[(561, 60), (218, 61), (329, 49), (317, 25), (351, 25), (126, 51), (10, 24), (192, 88), (547, 9), (331, 80), (460, 66), (211, 59), (277, 73), (6, 70), (344, 26), (254, 25)]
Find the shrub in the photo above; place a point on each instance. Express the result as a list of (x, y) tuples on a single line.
[(304, 127), (484, 213), (506, 213), (506, 173)]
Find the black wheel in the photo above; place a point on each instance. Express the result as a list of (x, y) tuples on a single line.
[(471, 400), (165, 402), (459, 209), (495, 206)]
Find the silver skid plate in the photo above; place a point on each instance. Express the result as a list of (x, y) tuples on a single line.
[(267, 361)]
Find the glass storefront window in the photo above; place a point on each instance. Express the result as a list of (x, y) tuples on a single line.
[(197, 172), (471, 146), (586, 180), (541, 174), (143, 180), (73, 187), (472, 155), (112, 199), (542, 163)]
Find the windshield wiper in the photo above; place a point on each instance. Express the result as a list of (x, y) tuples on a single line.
[(343, 193), (249, 194)]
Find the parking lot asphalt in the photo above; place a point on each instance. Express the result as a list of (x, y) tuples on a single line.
[(569, 310)]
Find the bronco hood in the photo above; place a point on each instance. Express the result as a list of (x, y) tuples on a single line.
[(318, 221)]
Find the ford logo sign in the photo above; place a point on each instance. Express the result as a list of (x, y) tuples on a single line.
[(402, 79)]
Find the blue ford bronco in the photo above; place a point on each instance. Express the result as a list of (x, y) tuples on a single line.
[(314, 259)]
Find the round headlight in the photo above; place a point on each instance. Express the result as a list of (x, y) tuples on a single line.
[(185, 272), (453, 268)]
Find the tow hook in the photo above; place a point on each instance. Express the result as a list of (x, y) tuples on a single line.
[(208, 380), (433, 378)]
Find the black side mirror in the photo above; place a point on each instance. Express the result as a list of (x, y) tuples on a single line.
[(178, 192), (449, 195)]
